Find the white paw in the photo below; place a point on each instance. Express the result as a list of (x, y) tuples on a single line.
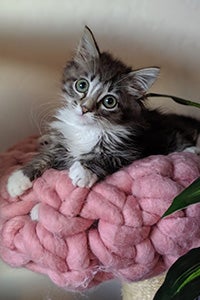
[(34, 213), (81, 176), (193, 149), (18, 183)]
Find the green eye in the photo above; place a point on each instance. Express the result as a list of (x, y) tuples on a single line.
[(82, 85), (109, 102)]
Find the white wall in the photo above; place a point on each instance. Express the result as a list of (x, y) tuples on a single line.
[(36, 38)]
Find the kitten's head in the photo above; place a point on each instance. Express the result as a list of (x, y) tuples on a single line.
[(99, 88)]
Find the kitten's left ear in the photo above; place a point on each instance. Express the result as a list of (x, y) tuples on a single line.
[(87, 48), (142, 80)]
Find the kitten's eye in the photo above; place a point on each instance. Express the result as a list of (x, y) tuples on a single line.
[(109, 102), (82, 85)]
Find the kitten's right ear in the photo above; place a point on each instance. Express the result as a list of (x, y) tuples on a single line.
[(87, 48)]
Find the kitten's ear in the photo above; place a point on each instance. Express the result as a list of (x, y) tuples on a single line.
[(142, 80), (87, 48)]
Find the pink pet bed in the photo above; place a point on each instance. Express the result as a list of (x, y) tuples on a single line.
[(86, 236)]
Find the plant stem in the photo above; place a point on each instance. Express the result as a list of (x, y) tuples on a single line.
[(176, 99)]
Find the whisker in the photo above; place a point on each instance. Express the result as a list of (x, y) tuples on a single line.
[(42, 115)]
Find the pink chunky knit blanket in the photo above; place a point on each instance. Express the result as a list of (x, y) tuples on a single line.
[(85, 236)]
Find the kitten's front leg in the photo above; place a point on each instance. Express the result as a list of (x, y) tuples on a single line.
[(82, 176), (86, 172), (22, 179)]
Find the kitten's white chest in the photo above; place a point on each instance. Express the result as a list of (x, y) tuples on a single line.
[(82, 139), (80, 136)]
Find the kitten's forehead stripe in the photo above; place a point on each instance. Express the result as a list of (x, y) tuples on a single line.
[(95, 86)]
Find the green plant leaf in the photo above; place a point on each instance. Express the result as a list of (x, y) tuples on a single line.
[(183, 279), (176, 99), (190, 195)]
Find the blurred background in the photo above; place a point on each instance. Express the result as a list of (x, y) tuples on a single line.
[(36, 39)]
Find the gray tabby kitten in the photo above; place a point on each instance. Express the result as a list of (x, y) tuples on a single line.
[(104, 124)]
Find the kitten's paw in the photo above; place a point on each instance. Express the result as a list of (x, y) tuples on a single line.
[(192, 149), (81, 176), (18, 183)]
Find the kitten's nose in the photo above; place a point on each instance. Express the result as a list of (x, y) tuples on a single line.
[(84, 109)]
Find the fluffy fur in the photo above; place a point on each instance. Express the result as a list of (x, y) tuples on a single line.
[(104, 124)]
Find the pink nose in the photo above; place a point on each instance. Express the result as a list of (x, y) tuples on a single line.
[(84, 109)]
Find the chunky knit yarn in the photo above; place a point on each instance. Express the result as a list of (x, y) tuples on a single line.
[(113, 230)]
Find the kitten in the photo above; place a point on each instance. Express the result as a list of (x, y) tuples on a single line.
[(104, 124)]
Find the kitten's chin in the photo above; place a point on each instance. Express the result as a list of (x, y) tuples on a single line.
[(86, 120)]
